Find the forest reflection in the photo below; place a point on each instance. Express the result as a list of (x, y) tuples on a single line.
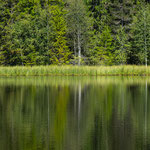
[(74, 113)]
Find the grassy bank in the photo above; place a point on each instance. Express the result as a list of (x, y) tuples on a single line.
[(75, 71)]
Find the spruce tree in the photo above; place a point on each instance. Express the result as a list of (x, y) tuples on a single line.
[(59, 53), (122, 47), (141, 34), (6, 18), (101, 46), (121, 14), (3, 22), (27, 36)]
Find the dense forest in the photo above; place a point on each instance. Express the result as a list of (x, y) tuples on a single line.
[(83, 32)]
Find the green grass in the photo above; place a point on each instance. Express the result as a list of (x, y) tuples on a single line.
[(76, 71)]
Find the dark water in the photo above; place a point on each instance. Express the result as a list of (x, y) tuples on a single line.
[(72, 113)]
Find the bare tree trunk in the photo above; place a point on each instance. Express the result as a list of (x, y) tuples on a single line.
[(74, 44), (79, 48)]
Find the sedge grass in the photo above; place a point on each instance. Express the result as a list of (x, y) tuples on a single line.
[(126, 70)]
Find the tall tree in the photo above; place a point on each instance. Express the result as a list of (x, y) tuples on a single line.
[(122, 47), (141, 34), (36, 34), (78, 23), (101, 48), (59, 52), (6, 18), (121, 14), (101, 42), (27, 36)]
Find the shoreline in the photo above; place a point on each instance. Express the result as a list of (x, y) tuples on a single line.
[(125, 70)]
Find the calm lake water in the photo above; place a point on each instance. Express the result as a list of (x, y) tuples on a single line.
[(75, 113)]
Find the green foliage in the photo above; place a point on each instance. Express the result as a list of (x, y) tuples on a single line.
[(121, 17), (121, 12), (103, 32), (78, 24), (27, 39), (141, 35), (4, 20), (101, 48), (122, 47), (59, 52), (101, 45)]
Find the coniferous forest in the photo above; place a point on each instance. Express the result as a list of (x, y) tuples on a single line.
[(83, 32)]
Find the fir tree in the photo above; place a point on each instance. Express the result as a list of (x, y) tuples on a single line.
[(121, 14), (101, 48), (101, 44), (141, 34), (122, 47), (6, 15), (59, 52), (27, 37)]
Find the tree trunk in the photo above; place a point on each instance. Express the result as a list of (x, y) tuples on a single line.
[(79, 48), (74, 44)]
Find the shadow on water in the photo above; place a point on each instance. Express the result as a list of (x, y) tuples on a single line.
[(74, 113)]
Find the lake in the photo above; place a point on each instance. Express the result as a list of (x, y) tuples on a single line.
[(74, 113)]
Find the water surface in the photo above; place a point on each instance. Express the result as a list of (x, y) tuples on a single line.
[(75, 113)]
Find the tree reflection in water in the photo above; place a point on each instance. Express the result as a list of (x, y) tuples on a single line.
[(74, 113)]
